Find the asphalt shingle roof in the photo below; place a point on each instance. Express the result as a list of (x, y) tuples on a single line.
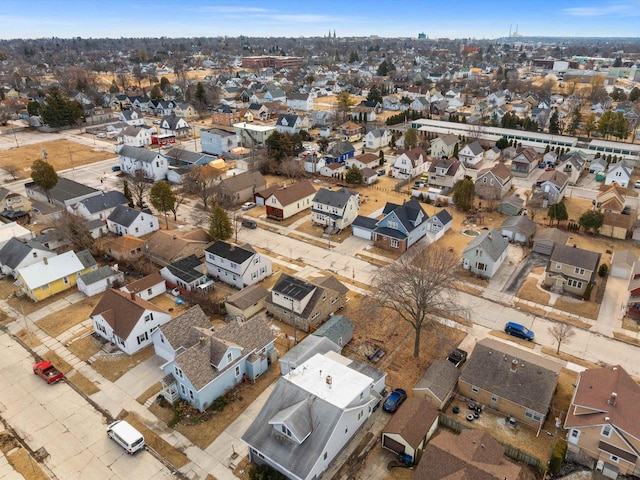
[(105, 201), (231, 252)]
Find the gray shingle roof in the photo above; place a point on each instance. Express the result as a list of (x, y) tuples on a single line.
[(332, 198), (575, 257), (97, 275), (248, 296), (137, 153), (520, 224), (86, 259), (65, 190), (440, 378), (105, 201), (124, 216), (177, 330), (338, 329), (14, 251), (243, 181), (491, 242)]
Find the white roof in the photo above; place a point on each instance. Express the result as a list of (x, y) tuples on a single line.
[(346, 383), (10, 230), (56, 267), (255, 128)]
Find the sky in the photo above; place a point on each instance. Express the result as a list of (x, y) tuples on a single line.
[(299, 18)]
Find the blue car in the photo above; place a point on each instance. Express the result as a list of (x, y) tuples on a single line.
[(519, 331), (394, 400)]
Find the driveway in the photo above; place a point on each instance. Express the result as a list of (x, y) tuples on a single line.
[(523, 269)]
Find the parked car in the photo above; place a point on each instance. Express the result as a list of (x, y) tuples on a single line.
[(419, 184), (249, 223), (126, 436), (102, 135), (47, 372), (116, 168), (457, 357), (248, 205), (637, 185), (394, 400), (519, 331), (382, 172)]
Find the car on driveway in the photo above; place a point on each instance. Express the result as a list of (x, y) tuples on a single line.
[(394, 400), (520, 331), (248, 205), (47, 372), (457, 357)]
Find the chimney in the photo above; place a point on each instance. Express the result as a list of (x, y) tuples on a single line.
[(514, 365), (612, 400), (46, 261), (329, 380), (232, 247), (133, 296), (202, 341)]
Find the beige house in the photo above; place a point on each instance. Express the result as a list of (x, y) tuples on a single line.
[(602, 421), (242, 187), (618, 225), (571, 269), (501, 377), (611, 197), (493, 183), (287, 201), (445, 173), (443, 146), (247, 302)]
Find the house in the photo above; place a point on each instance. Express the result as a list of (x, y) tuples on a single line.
[(98, 207), (320, 118), (310, 346), (13, 230), (443, 146), (623, 264), (216, 141), (493, 154), (246, 303), (305, 304), (207, 363), (241, 187), (610, 198), (546, 239), (125, 248), (444, 173), (619, 173), (169, 338), (161, 107), (519, 229), (401, 227), (438, 384), (438, 224), (258, 111), (603, 421), (17, 254), (65, 193), (496, 99), (499, 376), (147, 287), (12, 201), (336, 209), (420, 104), (131, 117), (471, 155), (369, 176), (167, 246), (598, 165), (333, 170), (484, 254), (174, 125), (300, 101), (275, 95), (350, 131), (377, 138), (338, 329), (133, 159), (128, 221), (525, 162), (410, 164), (362, 161), (550, 187), (127, 320), (410, 428), (289, 124), (98, 281), (572, 165), (53, 275), (511, 205), (225, 115), (340, 152), (308, 419), (135, 136), (236, 265), (571, 269), (493, 183), (288, 201), (618, 225), (186, 111), (473, 454), (186, 274)]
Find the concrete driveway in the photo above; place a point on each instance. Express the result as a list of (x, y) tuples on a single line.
[(522, 270), (141, 377)]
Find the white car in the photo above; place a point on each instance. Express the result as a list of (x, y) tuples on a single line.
[(637, 185), (102, 135), (248, 205)]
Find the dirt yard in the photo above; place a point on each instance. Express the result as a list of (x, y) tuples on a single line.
[(113, 366), (62, 320), (61, 154)]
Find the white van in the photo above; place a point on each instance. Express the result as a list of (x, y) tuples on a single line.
[(126, 436)]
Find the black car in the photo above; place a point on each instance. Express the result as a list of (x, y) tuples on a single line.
[(457, 357), (249, 223)]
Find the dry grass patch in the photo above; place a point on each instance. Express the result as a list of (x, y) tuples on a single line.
[(152, 391), (318, 231), (626, 338), (151, 438), (311, 241), (62, 320), (578, 307), (540, 312), (168, 303), (568, 358), (7, 287), (60, 154), (630, 324), (84, 348), (28, 338), (530, 291), (506, 336), (83, 383), (25, 465), (382, 253), (113, 366), (467, 287), (57, 361)]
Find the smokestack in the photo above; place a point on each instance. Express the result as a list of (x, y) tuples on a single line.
[(329, 380), (612, 400), (46, 261), (202, 341), (133, 296), (514, 365)]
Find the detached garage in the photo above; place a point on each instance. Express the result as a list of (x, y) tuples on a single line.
[(363, 227), (410, 428), (518, 229), (546, 239), (623, 263)]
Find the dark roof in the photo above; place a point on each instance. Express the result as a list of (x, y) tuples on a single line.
[(187, 269), (15, 250), (231, 252), (243, 181), (444, 216), (364, 222), (491, 242), (531, 385), (338, 329), (247, 297), (124, 216), (65, 190), (293, 287), (105, 201), (410, 214), (413, 421), (138, 153), (187, 156), (178, 330), (333, 198), (97, 275), (575, 257), (290, 120), (86, 258)]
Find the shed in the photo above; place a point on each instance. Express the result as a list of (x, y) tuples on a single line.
[(98, 281), (338, 329), (410, 428), (304, 350), (622, 263), (546, 239), (438, 383), (511, 205)]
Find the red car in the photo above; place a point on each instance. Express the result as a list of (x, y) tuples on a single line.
[(47, 372)]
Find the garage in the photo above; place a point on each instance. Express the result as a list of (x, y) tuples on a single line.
[(391, 444), (362, 227), (410, 427), (622, 263)]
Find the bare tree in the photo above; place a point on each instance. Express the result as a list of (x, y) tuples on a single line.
[(11, 170), (291, 168), (139, 186), (72, 231), (202, 182), (561, 332), (419, 287)]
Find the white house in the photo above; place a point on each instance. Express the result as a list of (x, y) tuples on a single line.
[(98, 207), (127, 320), (362, 161), (300, 101), (287, 201), (131, 117), (217, 141), (619, 173), (485, 253), (98, 281), (153, 164), (174, 125), (309, 417), (128, 221), (147, 287), (288, 124), (410, 164), (334, 208), (17, 254), (471, 154), (135, 136), (236, 265), (438, 224), (313, 163), (188, 274), (377, 139)]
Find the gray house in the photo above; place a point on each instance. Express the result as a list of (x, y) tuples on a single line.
[(438, 383), (485, 253), (545, 240), (511, 205), (518, 229), (242, 187)]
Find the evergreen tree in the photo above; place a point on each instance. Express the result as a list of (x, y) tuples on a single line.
[(554, 123), (591, 220), (220, 227), (44, 176), (354, 175), (127, 192), (464, 194), (557, 212)]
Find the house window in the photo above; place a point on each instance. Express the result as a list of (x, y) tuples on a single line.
[(478, 252), (494, 399), (606, 431), (324, 456), (143, 338), (394, 243), (392, 224), (574, 435), (533, 415), (149, 317), (579, 271), (178, 371), (474, 389), (191, 395), (558, 266), (35, 254), (484, 180), (346, 430), (237, 370), (481, 266), (574, 283), (183, 390), (149, 291), (65, 280), (614, 458), (285, 430), (315, 315), (229, 357), (137, 230)]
